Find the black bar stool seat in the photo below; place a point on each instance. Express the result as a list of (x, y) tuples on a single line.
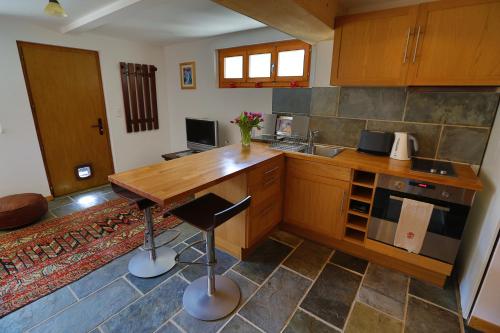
[(210, 297), (154, 260), (200, 212)]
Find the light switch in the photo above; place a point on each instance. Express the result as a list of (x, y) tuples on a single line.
[(1, 129)]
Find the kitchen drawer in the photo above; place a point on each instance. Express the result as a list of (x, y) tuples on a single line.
[(266, 174), (318, 169), (263, 218), (270, 192)]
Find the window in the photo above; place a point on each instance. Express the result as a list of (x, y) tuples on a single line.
[(232, 63), (291, 63), (280, 64), (233, 67), (259, 65)]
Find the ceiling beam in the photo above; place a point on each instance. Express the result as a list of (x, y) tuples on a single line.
[(308, 20), (98, 17)]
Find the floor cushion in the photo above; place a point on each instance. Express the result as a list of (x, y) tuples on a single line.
[(21, 209)]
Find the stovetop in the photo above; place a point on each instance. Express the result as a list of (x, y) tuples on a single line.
[(434, 167)]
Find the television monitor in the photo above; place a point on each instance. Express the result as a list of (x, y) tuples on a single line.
[(202, 134)]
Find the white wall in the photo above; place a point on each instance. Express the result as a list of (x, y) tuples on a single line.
[(482, 226), (207, 100), (21, 166)]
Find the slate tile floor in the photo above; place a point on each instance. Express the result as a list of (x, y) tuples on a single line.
[(287, 285)]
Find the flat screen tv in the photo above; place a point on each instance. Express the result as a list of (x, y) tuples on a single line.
[(201, 134)]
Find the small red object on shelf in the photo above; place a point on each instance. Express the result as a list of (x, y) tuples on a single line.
[(258, 84), (293, 84)]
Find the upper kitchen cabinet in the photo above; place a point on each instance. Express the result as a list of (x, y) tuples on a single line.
[(436, 43), (457, 43), (373, 48)]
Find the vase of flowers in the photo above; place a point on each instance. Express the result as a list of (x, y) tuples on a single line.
[(246, 121)]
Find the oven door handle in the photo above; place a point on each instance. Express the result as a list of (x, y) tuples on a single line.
[(441, 208)]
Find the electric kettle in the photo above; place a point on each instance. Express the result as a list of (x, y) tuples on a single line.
[(402, 149)]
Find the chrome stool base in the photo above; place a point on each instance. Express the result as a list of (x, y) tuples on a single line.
[(153, 261), (200, 305), (143, 266)]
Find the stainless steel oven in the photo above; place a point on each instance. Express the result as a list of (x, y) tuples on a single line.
[(451, 207)]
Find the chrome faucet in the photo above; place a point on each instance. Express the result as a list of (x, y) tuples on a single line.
[(310, 141)]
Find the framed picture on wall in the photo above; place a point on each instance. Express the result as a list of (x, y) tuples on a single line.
[(188, 75)]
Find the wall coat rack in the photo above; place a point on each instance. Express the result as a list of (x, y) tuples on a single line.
[(139, 96)]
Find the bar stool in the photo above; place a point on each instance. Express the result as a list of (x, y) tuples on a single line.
[(210, 297), (155, 259)]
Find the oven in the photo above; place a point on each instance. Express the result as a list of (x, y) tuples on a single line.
[(451, 207)]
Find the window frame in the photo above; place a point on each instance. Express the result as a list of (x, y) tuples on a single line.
[(307, 62), (273, 80), (258, 49)]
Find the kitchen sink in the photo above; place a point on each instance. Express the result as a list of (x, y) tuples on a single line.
[(327, 151)]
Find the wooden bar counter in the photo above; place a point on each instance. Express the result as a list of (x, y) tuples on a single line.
[(231, 172), (309, 195)]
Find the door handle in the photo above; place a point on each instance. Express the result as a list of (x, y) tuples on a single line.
[(405, 56), (416, 45), (436, 207), (99, 126)]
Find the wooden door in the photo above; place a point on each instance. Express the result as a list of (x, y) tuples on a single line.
[(373, 48), (66, 96), (459, 44), (313, 202)]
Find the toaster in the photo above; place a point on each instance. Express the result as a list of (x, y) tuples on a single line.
[(376, 143)]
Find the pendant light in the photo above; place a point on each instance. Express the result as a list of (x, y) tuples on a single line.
[(53, 8)]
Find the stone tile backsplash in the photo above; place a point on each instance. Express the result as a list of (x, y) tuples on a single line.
[(324, 101), (468, 109), (373, 103), (296, 100), (463, 144), (451, 126), (337, 131)]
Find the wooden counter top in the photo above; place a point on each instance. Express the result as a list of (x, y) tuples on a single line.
[(167, 181), (466, 178)]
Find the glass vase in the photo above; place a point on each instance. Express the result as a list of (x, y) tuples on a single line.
[(246, 137)]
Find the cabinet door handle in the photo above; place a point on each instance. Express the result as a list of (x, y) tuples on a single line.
[(271, 170), (405, 56), (416, 45), (270, 181)]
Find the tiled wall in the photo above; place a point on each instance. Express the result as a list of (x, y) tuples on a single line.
[(451, 126)]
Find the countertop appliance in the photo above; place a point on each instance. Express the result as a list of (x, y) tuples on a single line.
[(405, 145), (376, 143), (288, 125), (430, 166), (202, 134), (451, 207)]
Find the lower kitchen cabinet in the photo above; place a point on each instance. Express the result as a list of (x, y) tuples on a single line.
[(265, 185), (316, 197)]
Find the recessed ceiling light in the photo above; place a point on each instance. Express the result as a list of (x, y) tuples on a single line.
[(53, 8)]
